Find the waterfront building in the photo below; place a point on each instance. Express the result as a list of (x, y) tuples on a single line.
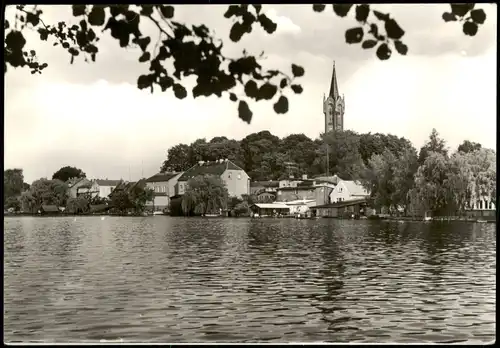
[(235, 178), (163, 186)]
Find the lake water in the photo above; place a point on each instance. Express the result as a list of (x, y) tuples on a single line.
[(164, 279)]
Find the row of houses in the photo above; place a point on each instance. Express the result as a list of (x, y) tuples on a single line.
[(320, 196), (167, 186), (97, 188), (294, 193), (325, 196), (92, 188)]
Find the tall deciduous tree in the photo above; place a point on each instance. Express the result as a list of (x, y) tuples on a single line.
[(177, 159), (68, 172), (194, 50), (379, 179), (121, 201), (482, 164), (139, 196), (403, 180), (468, 146), (205, 193), (344, 157), (13, 183), (434, 144), (459, 182), (430, 184), (45, 192)]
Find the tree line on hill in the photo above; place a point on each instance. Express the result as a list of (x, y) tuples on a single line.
[(396, 174)]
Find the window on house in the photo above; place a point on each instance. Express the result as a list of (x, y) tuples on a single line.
[(165, 189), (340, 189), (229, 175)]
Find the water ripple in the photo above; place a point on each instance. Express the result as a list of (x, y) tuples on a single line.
[(163, 279)]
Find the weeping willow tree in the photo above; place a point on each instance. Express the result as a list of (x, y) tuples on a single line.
[(205, 194)]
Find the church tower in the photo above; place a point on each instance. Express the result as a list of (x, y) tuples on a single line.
[(334, 106)]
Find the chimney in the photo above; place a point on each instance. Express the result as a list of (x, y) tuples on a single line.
[(304, 176)]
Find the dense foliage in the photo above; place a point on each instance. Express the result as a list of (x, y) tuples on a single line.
[(67, 172), (265, 156), (19, 196), (44, 192), (434, 181), (205, 194), (131, 200), (13, 187), (193, 50), (398, 176)]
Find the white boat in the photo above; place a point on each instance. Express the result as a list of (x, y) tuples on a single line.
[(481, 221), (427, 218), (158, 213)]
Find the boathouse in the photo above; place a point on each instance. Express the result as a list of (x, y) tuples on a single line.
[(269, 209), (49, 210), (341, 209)]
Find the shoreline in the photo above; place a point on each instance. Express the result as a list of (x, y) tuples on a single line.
[(378, 218)]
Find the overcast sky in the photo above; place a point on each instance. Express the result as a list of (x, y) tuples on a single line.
[(92, 116)]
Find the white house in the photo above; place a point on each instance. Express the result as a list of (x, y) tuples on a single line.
[(74, 185), (347, 190), (236, 180), (163, 185), (88, 188), (106, 186)]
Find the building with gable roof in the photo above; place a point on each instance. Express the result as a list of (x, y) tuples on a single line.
[(106, 186), (236, 179), (348, 190), (163, 185)]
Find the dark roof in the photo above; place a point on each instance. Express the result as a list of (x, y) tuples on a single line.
[(265, 183), (341, 204), (334, 179), (161, 177), (107, 182), (85, 186), (288, 188), (73, 181), (121, 185), (208, 168), (334, 88), (50, 208), (306, 183)]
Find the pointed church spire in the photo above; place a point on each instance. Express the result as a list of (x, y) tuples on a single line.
[(334, 89)]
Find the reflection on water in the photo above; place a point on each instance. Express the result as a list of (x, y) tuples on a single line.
[(162, 279)]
